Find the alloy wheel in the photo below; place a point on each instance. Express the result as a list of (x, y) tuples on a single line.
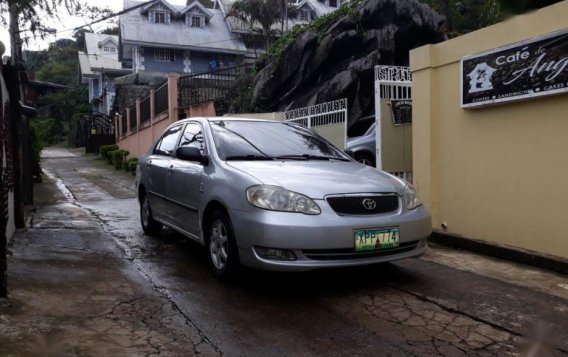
[(219, 244)]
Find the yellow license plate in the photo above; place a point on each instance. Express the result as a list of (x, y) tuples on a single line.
[(373, 239)]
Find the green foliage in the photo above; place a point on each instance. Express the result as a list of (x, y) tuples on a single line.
[(318, 26), (48, 131), (105, 149), (118, 157), (36, 151), (469, 15), (132, 165)]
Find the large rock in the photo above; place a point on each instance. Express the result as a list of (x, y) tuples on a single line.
[(339, 62)]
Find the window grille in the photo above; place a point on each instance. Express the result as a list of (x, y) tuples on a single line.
[(164, 55), (195, 21), (304, 15), (109, 48)]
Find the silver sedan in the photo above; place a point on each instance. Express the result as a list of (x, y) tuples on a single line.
[(276, 196)]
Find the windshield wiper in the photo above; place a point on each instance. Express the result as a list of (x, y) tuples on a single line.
[(310, 157), (249, 157)]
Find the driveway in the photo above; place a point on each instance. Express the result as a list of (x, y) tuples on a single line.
[(445, 303)]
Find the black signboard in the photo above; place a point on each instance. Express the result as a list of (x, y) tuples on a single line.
[(522, 70), (401, 112)]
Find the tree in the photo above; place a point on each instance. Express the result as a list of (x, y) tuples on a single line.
[(260, 15), (469, 15)]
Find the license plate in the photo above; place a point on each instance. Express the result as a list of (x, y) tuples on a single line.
[(373, 239)]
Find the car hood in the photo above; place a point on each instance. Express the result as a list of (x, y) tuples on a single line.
[(316, 179)]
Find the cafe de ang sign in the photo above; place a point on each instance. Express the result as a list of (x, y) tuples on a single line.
[(528, 69)]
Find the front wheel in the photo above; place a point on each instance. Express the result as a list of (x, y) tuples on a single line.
[(222, 249), (150, 226)]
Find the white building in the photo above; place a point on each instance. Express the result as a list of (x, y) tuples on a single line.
[(99, 67)]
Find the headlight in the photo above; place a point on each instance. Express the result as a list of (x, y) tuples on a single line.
[(276, 198), (411, 200)]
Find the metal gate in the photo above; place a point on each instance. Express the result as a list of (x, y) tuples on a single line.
[(328, 119), (94, 130), (392, 84)]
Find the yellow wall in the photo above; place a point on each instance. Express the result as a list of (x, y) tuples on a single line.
[(499, 173), (396, 142)]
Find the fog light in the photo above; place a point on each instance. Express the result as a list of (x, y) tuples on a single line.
[(275, 254)]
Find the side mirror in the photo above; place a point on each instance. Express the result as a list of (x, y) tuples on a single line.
[(188, 153), (350, 153)]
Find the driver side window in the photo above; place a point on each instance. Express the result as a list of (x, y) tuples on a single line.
[(193, 137)]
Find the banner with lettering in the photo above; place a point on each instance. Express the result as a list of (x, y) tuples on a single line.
[(527, 69)]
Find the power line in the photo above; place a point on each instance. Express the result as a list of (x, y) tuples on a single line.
[(110, 16)]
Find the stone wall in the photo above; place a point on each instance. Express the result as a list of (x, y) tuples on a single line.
[(338, 61)]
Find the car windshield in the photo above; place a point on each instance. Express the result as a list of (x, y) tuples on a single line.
[(258, 140)]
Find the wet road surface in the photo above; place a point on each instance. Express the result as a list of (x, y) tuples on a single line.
[(413, 307)]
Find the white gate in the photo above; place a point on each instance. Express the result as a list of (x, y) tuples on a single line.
[(328, 119), (391, 83)]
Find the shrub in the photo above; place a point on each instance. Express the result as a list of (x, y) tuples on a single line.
[(110, 156), (132, 164), (105, 149), (118, 157)]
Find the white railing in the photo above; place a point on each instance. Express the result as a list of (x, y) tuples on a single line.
[(320, 115), (393, 74)]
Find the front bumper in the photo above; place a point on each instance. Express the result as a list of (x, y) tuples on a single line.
[(304, 235)]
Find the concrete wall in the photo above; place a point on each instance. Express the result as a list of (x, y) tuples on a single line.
[(396, 148), (498, 173), (334, 133), (140, 141)]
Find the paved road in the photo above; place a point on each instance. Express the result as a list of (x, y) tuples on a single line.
[(430, 306)]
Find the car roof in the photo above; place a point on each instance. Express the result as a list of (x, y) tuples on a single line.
[(229, 119)]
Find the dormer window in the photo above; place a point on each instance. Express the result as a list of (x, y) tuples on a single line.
[(195, 20), (332, 3), (109, 48), (304, 15), (160, 17)]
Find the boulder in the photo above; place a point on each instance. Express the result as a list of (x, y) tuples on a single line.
[(338, 62)]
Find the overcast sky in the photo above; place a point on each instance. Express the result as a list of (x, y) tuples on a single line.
[(65, 24)]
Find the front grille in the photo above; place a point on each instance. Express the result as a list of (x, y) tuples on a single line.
[(353, 205), (350, 253)]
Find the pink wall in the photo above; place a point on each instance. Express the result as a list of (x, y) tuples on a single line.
[(139, 142)]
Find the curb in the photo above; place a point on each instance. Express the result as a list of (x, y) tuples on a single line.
[(527, 257)]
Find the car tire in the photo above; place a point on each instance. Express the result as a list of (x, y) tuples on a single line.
[(150, 226), (366, 159), (222, 251)]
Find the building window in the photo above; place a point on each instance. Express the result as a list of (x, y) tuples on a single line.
[(333, 3), (160, 17), (164, 55), (304, 15), (109, 48), (195, 21)]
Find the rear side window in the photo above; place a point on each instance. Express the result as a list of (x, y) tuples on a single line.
[(168, 142)]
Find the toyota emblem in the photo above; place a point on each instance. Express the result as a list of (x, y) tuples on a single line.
[(369, 203)]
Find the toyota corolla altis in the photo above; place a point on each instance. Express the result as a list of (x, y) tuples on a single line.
[(277, 196)]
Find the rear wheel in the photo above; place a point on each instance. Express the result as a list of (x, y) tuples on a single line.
[(366, 159), (221, 246), (150, 226)]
